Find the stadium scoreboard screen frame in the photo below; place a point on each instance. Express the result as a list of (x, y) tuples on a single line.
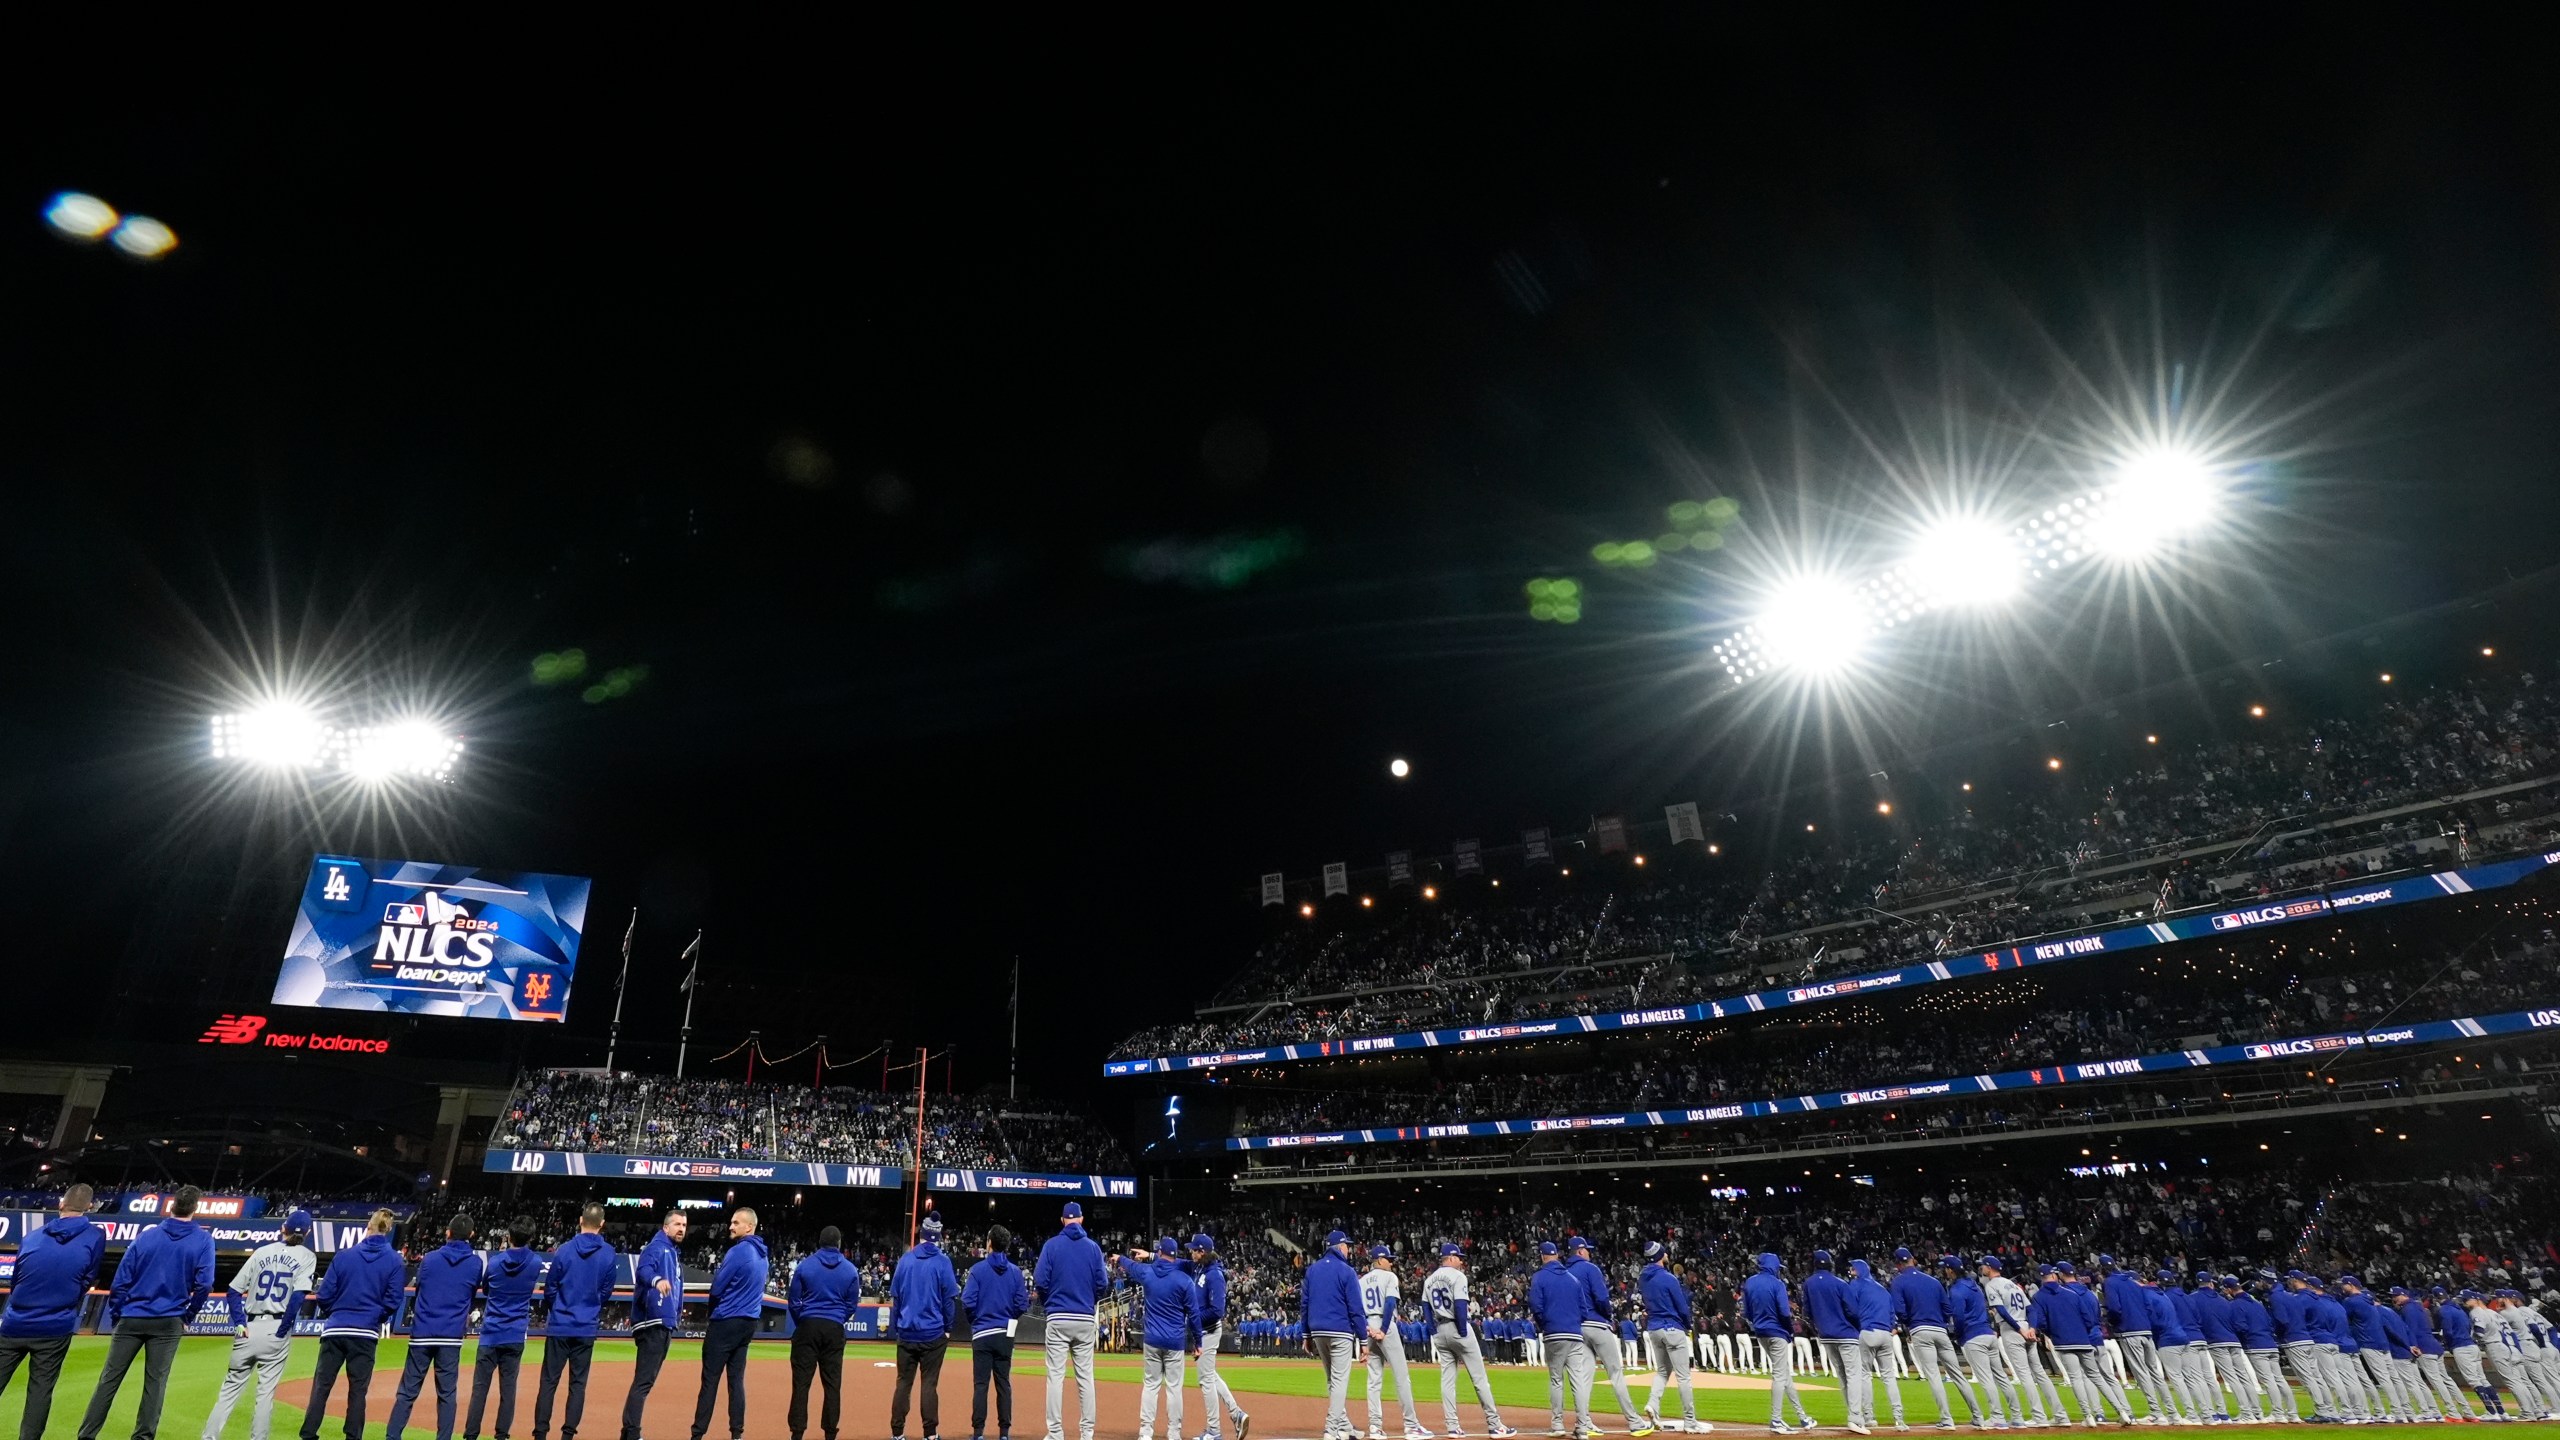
[(415, 937)]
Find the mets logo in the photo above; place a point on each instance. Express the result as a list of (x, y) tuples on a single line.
[(233, 1030), (537, 988)]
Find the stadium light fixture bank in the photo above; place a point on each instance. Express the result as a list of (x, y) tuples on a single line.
[(288, 736), (1817, 624)]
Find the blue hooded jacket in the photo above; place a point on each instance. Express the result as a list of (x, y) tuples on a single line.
[(2184, 1302), (2372, 1325), (2128, 1307), (2290, 1310), (1764, 1302), (924, 1295), (737, 1287), (824, 1286), (2166, 1328), (1212, 1280), (2420, 1329), (1595, 1292), (1870, 1304), (1966, 1307), (2329, 1323), (2456, 1321), (1332, 1299), (2250, 1322), (507, 1287), (166, 1272), (2213, 1317), (1555, 1298), (1666, 1300), (361, 1292), (1172, 1301), (996, 1294), (447, 1279), (2060, 1315), (1826, 1304), (1919, 1301), (1071, 1274), (657, 1261), (580, 1281), (56, 1267)]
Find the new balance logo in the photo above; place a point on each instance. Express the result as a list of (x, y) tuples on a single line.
[(336, 889), (233, 1030)]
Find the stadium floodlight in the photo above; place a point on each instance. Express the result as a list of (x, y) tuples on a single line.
[(2158, 495), (1814, 624), (279, 736), (411, 747), (284, 735), (1961, 562)]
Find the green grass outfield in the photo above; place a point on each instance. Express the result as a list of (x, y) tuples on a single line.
[(197, 1377)]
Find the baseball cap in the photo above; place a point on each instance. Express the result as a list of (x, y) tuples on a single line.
[(2106, 1259), (2064, 1266), (2265, 1274), (1451, 1247), (2232, 1281), (2295, 1275), (930, 1226), (1202, 1241), (1576, 1242), (1950, 1262), (1653, 1250), (2052, 1267), (1335, 1237), (1164, 1244), (1073, 1211), (1382, 1252), (1902, 1253), (299, 1222), (1989, 1262), (1821, 1257), (2355, 1280), (1546, 1247), (2168, 1277), (2400, 1290), (2437, 1293), (2204, 1277), (2468, 1295)]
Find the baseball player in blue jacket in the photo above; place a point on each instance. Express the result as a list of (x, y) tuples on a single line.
[(1596, 1334), (56, 1266), (1668, 1318), (1871, 1306), (447, 1279), (507, 1285), (1070, 1278), (657, 1302), (1835, 1329), (1215, 1397), (1773, 1324), (1920, 1306), (1557, 1301), (1969, 1321), (361, 1294), (577, 1285), (822, 1294), (997, 1296), (1330, 1299)]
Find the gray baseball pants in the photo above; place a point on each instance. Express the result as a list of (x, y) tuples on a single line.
[(1569, 1376), (2028, 1374), (1335, 1352), (1671, 1352), (1387, 1357), (1878, 1345), (1982, 1352), (1215, 1397), (1780, 1352), (1602, 1342), (2304, 1357), (261, 1354), (1849, 1362), (1453, 1350), (1935, 1357), (1069, 1339), (1161, 1369)]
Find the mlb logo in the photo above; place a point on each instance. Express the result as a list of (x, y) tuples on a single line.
[(404, 915)]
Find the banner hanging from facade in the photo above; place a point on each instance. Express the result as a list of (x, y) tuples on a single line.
[(1684, 822), (1337, 879)]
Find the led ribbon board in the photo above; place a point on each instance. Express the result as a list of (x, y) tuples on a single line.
[(2425, 1032), (413, 937)]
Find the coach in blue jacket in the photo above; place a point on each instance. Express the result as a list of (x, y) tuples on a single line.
[(361, 1294), (1557, 1303), (924, 1298), (657, 1302), (824, 1287), (507, 1284), (1070, 1278), (56, 1267), (737, 1302), (1336, 1323), (577, 1286), (447, 1279), (166, 1274), (1773, 1324), (996, 1297)]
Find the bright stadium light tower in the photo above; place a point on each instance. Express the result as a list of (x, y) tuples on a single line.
[(2157, 496), (1963, 562)]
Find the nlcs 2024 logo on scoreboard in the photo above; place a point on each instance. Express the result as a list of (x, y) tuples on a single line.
[(418, 938)]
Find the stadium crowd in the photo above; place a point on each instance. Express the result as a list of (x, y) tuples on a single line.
[(1996, 1023), (590, 1111), (1531, 958)]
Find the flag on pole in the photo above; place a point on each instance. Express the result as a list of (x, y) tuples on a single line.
[(692, 952), (1684, 822)]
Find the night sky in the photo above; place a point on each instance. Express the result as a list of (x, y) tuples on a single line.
[(1030, 484)]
